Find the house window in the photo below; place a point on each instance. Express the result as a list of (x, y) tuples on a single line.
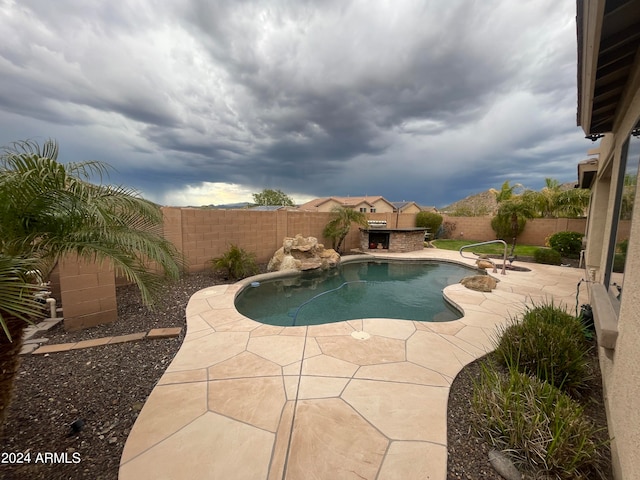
[(363, 210), (623, 211), (373, 210)]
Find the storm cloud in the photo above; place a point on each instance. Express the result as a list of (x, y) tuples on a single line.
[(199, 102)]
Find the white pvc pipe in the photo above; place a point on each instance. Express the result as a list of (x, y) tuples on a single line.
[(52, 306)]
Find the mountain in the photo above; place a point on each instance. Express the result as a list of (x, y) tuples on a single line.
[(483, 203)]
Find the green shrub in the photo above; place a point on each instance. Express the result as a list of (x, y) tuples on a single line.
[(537, 424), (548, 343), (236, 262), (430, 220), (568, 244), (547, 256), (618, 262), (620, 256), (623, 246), (501, 225)]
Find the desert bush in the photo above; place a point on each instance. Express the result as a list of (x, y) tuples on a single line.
[(236, 262), (536, 423), (548, 343), (501, 225), (446, 230), (568, 244), (430, 220), (547, 256)]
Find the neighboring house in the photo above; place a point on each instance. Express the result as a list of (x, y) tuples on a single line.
[(425, 208), (609, 109), (361, 204), (270, 208), (406, 207)]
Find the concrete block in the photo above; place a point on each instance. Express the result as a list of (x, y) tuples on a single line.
[(94, 342), (48, 324), (164, 332), (29, 332), (133, 337), (58, 347)]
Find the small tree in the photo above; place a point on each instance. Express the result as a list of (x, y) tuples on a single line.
[(501, 225), (517, 209), (272, 197), (430, 221), (340, 224)]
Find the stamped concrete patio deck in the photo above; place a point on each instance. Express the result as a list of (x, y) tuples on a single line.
[(363, 399)]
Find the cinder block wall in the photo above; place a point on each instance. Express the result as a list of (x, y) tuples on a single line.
[(88, 289), (471, 228), (88, 293), (536, 231), (203, 234)]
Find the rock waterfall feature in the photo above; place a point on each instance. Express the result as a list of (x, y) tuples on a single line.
[(303, 253)]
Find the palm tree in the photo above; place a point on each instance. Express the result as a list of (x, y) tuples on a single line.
[(48, 210), (340, 224), (553, 201), (506, 192), (518, 207), (572, 203), (547, 197)]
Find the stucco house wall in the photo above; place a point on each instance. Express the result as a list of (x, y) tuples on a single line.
[(617, 318), (378, 204)]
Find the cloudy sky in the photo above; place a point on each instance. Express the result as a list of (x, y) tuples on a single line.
[(198, 102)]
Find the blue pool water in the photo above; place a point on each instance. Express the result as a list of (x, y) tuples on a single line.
[(369, 289)]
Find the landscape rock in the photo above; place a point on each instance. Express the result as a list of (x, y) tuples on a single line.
[(504, 466), (303, 253), (485, 262), (480, 283)]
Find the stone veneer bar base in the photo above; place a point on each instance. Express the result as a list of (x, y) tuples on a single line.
[(392, 240)]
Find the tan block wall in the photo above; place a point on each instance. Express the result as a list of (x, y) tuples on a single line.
[(202, 234), (536, 231), (172, 227), (88, 290), (88, 293), (471, 228)]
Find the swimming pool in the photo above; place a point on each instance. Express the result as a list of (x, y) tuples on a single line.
[(409, 290)]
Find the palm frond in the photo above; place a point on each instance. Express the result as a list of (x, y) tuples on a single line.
[(49, 209), (16, 291)]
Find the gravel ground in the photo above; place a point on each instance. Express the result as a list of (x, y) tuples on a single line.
[(104, 388), (468, 454)]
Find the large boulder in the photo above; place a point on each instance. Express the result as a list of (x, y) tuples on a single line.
[(303, 253), (480, 283)]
